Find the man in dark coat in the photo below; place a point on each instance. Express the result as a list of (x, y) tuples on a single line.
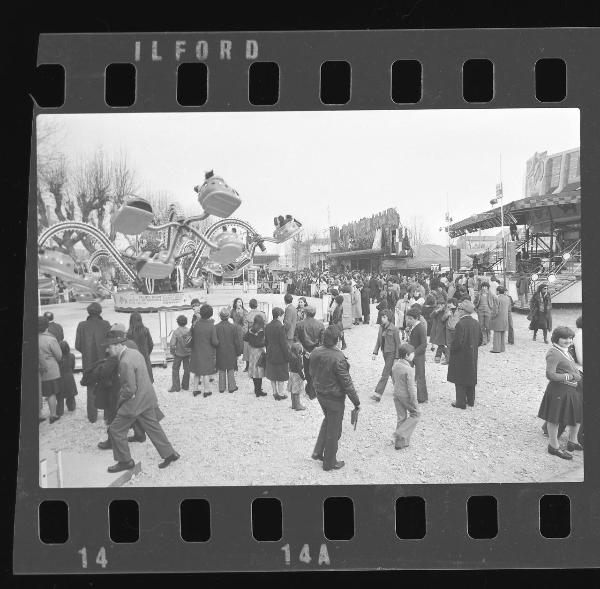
[(278, 354), (464, 351), (54, 328), (417, 329), (332, 381), (137, 401), (229, 348), (89, 340), (365, 301), (309, 332)]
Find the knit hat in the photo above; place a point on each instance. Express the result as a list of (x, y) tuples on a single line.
[(224, 313), (195, 302), (94, 308), (466, 306)]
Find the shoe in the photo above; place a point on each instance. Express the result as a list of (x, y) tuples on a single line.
[(168, 460), (375, 398), (119, 466), (317, 457), (280, 397), (471, 404), (206, 394), (338, 464), (53, 419), (106, 445), (573, 446), (457, 406), (424, 401), (261, 394), (172, 390), (559, 452), (134, 438), (233, 390), (196, 393), (92, 420), (42, 419), (397, 447), (222, 391), (494, 352)]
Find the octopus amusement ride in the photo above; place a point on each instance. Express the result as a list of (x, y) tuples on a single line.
[(225, 249)]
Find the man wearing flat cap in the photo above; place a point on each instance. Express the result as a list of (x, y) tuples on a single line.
[(464, 351), (230, 347), (137, 401), (89, 340)]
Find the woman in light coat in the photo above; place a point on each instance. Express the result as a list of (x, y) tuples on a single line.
[(499, 323), (49, 357), (356, 305)]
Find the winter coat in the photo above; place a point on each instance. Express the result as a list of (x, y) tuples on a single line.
[(50, 355), (365, 300), (356, 304), (336, 317), (330, 374), (310, 333), (145, 345), (89, 339), (464, 352), (180, 342), (229, 346), (438, 327), (540, 312), (290, 318), (136, 393), (278, 352), (204, 343), (56, 330), (499, 321), (522, 284)]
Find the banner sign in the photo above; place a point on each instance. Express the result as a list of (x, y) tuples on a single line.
[(136, 301)]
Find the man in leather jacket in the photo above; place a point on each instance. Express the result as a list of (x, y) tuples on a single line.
[(329, 370)]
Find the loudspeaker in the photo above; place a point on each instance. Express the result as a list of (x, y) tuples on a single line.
[(455, 254)]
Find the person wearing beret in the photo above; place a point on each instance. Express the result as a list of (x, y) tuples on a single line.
[(89, 340), (137, 402), (464, 352)]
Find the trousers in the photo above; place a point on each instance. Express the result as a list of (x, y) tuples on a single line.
[(484, 322), (419, 362), (92, 411), (309, 388), (388, 359), (148, 420), (185, 381), (408, 417), (465, 395), (331, 430), (498, 341), (227, 379)]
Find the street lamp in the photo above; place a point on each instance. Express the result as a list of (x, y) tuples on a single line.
[(499, 199)]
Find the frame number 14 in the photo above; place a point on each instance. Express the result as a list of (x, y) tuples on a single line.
[(304, 555)]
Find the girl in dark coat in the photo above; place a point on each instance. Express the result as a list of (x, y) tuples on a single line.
[(278, 354), (540, 312), (140, 334), (68, 387), (255, 338), (336, 318), (230, 346), (203, 357), (365, 301)]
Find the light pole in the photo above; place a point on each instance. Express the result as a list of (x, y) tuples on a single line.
[(448, 220), (499, 199)]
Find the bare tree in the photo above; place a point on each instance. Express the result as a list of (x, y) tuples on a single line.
[(417, 231)]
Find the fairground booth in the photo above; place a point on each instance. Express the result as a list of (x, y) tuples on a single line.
[(543, 235)]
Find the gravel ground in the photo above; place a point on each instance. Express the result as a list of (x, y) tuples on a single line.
[(237, 439)]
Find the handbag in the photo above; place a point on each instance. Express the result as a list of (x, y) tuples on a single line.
[(262, 360)]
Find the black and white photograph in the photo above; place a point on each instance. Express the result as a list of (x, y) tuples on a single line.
[(376, 297)]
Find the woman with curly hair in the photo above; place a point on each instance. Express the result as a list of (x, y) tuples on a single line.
[(540, 312)]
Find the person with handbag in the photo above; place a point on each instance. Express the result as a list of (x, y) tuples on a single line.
[(254, 338)]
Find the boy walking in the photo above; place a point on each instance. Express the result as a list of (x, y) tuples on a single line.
[(388, 340), (405, 397), (180, 350)]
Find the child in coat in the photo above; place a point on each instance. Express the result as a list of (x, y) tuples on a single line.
[(296, 380), (405, 393), (180, 347), (67, 386)]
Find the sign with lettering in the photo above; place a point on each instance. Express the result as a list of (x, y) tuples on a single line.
[(136, 301)]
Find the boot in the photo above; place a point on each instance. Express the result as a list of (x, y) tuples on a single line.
[(296, 405)]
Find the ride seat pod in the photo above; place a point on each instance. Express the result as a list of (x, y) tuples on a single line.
[(217, 198), (213, 268), (229, 250), (133, 217), (286, 232), (149, 266)]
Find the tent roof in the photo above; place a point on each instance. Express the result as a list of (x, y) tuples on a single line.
[(517, 211)]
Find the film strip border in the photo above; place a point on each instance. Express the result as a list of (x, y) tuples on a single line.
[(375, 510)]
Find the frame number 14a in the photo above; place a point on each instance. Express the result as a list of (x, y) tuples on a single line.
[(305, 556)]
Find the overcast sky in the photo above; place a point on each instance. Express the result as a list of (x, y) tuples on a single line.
[(354, 162)]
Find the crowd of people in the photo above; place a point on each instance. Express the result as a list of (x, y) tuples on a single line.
[(456, 316)]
